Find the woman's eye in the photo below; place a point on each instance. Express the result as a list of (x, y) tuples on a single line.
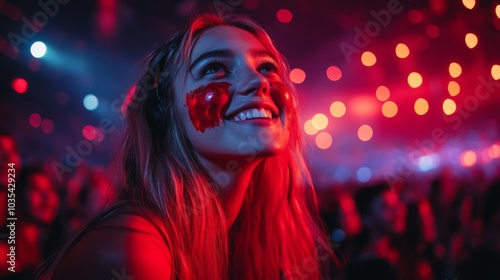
[(213, 68), (268, 67)]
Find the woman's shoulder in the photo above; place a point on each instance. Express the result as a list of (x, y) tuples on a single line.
[(123, 246)]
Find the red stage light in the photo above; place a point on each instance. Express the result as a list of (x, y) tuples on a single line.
[(284, 16), (35, 120), (47, 126), (19, 85)]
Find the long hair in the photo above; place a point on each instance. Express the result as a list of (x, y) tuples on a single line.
[(276, 232)]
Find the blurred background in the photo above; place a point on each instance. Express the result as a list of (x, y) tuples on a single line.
[(401, 93)]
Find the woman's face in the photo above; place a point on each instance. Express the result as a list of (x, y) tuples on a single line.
[(233, 102)]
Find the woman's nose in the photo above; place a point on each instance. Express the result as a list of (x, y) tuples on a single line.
[(251, 82)]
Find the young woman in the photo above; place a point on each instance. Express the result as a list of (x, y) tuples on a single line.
[(214, 181)]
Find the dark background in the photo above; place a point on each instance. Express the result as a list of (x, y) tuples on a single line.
[(97, 47)]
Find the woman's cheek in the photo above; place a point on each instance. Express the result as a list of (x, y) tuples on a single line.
[(205, 105), (283, 98)]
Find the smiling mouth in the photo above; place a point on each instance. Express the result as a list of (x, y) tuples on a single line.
[(252, 114)]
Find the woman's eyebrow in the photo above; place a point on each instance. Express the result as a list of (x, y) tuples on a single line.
[(214, 53), (262, 53)]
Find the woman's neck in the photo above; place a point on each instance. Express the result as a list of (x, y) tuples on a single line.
[(233, 178)]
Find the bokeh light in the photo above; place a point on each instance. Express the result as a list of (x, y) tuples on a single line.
[(337, 109), (428, 162), (297, 75), (319, 121), (47, 126), (494, 151), (497, 11), (471, 40), (365, 133), (449, 106), (432, 31), (402, 50), (364, 174), (469, 4), (284, 15), (38, 49), (415, 16), (35, 120), (453, 88), (324, 140), (468, 158), (415, 80), (89, 132), (383, 93), (389, 109), (421, 106), (309, 128), (19, 85), (333, 73), (368, 59), (99, 134), (363, 106), (455, 70), (90, 102), (495, 72)]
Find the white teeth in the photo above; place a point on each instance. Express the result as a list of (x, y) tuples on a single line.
[(253, 113)]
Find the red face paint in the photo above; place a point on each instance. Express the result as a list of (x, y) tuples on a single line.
[(205, 105), (282, 97)]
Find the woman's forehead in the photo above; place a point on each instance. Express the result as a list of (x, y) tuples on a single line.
[(228, 38)]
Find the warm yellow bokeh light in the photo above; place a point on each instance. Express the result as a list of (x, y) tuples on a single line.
[(320, 121), (449, 106), (337, 109), (297, 75), (468, 158), (469, 4), (421, 106), (383, 93), (495, 72), (415, 80), (402, 50), (368, 58), (455, 70), (365, 132), (389, 109), (494, 151), (471, 40), (309, 128), (324, 140), (363, 106), (497, 11), (333, 73), (453, 88)]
